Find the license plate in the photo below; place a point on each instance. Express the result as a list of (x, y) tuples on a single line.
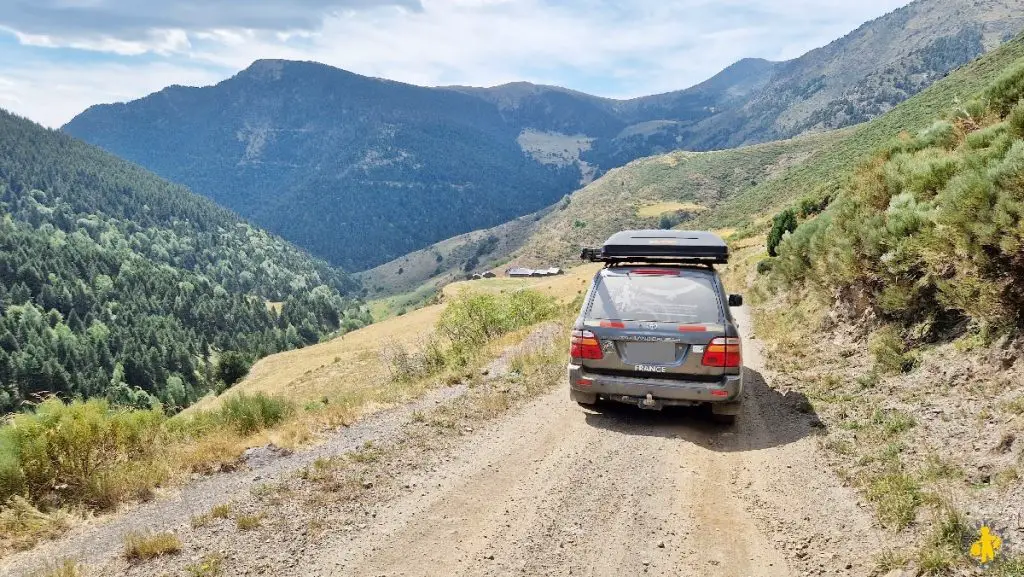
[(645, 353)]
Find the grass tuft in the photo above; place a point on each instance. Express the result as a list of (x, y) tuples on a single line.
[(248, 522), (66, 568), (896, 496), (209, 566), (143, 546)]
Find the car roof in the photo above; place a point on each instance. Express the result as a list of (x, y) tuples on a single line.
[(697, 270)]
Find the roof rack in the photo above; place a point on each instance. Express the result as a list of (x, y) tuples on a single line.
[(660, 246)]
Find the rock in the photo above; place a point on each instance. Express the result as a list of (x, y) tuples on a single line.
[(661, 544), (367, 484), (260, 456)]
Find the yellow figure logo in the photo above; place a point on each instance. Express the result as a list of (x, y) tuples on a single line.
[(985, 549)]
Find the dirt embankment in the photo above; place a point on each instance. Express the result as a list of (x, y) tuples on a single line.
[(535, 486)]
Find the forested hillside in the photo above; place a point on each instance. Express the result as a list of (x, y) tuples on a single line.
[(361, 171), (357, 170), (114, 282)]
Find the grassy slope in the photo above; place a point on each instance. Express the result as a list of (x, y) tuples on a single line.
[(422, 269), (837, 161), (350, 366)]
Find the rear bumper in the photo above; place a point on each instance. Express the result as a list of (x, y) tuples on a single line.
[(728, 389)]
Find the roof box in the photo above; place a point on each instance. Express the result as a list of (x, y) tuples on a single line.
[(661, 246)]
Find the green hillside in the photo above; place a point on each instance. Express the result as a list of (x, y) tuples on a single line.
[(741, 187), (930, 234), (114, 282)]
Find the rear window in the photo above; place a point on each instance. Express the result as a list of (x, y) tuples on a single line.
[(689, 298)]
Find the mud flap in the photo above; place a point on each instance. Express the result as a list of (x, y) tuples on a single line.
[(583, 398), (732, 408)]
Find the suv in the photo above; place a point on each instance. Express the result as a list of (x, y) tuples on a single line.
[(655, 328)]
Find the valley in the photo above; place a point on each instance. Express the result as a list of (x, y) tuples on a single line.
[(187, 393), (360, 171)]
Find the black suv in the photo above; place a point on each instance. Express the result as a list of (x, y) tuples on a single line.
[(655, 328)]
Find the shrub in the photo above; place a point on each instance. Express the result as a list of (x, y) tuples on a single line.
[(1016, 120), (472, 319), (66, 568), (232, 367), (248, 414), (782, 223), (249, 522), (889, 351), (142, 546), (764, 266), (1007, 90), (208, 566), (83, 451), (941, 134)]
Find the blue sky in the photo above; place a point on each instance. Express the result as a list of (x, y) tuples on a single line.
[(61, 56)]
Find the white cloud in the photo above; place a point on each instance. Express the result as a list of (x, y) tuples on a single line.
[(52, 94), (611, 48)]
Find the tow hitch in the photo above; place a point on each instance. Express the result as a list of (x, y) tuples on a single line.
[(649, 403)]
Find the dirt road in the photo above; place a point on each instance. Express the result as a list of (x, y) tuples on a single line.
[(553, 489), (556, 490)]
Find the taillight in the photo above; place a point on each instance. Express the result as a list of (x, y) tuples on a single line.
[(722, 352), (585, 346)]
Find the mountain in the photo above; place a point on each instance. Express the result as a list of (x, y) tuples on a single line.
[(734, 190), (360, 170), (115, 282), (357, 170)]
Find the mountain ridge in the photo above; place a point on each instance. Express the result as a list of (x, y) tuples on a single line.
[(362, 170)]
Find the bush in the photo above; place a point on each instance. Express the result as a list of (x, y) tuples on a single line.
[(1016, 120), (782, 223), (897, 497), (931, 230), (83, 451), (248, 414), (473, 319), (1007, 90), (232, 367), (889, 351), (764, 266)]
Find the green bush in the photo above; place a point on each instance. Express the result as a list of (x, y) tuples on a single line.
[(232, 367), (82, 452), (782, 223), (889, 351), (248, 414), (473, 319), (764, 266), (1007, 90), (932, 229)]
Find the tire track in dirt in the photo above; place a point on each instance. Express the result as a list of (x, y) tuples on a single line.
[(556, 490)]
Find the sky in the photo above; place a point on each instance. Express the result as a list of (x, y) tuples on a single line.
[(58, 57)]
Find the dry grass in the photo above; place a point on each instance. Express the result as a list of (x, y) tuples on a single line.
[(658, 209), (66, 568), (143, 546), (217, 512), (208, 566), (248, 522), (22, 525)]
